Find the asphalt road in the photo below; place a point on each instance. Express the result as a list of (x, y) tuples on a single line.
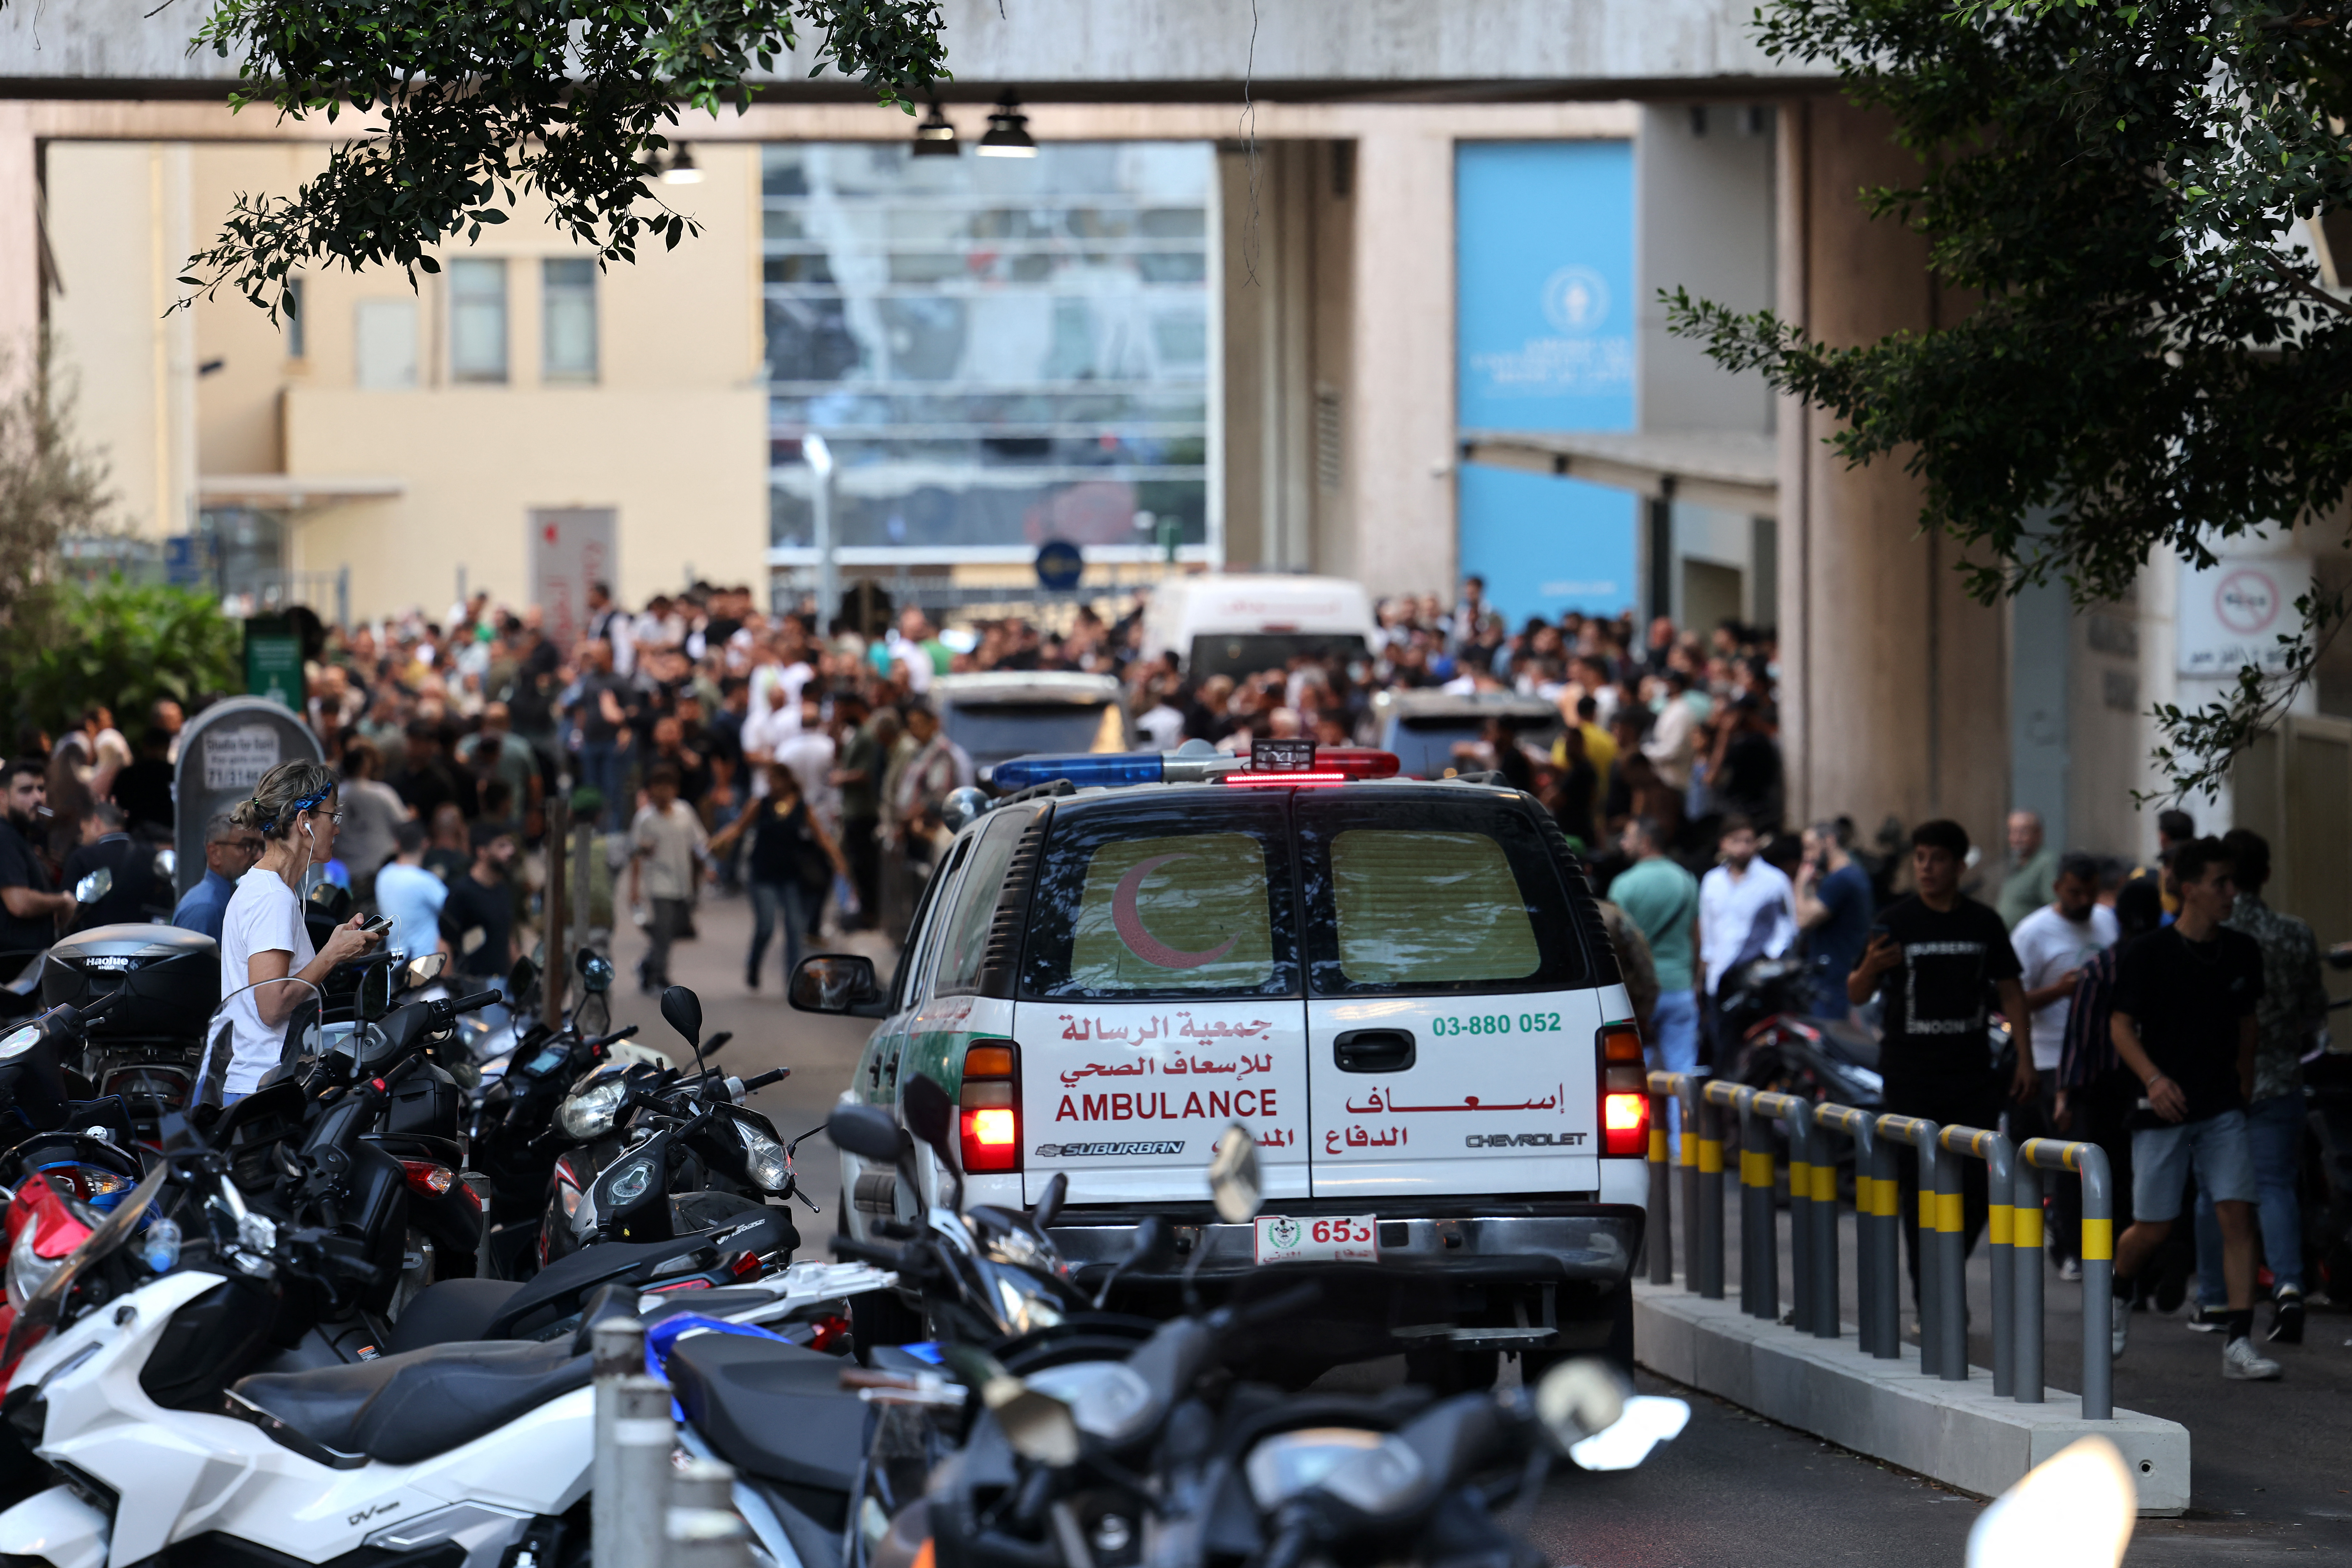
[(2271, 1481)]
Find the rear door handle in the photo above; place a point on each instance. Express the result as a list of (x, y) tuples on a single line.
[(1374, 1050)]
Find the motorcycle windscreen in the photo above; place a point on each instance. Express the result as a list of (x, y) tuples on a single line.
[(1159, 999), (1452, 1018)]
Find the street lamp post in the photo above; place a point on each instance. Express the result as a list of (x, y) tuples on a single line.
[(828, 570)]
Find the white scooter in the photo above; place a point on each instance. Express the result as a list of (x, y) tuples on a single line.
[(484, 1447)]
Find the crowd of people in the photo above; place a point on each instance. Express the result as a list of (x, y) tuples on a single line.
[(2165, 1013), (715, 748)]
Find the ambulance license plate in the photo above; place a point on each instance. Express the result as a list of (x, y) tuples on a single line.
[(1354, 1238)]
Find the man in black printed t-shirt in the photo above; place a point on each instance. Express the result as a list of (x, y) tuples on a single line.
[(2183, 1022), (1933, 957)]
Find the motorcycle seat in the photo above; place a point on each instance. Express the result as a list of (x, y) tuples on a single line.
[(557, 1289), (401, 1409), (1852, 1041), (772, 1410)]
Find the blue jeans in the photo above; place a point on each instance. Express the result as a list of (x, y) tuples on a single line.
[(770, 902), (1675, 1021), (2275, 1127), (600, 770)]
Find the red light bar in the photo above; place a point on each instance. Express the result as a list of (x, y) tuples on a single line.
[(1358, 761), (1283, 781)]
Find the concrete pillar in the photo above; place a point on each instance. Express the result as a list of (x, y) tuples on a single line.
[(1400, 452), (20, 262), (1896, 694)]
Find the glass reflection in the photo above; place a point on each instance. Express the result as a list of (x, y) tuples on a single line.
[(999, 352)]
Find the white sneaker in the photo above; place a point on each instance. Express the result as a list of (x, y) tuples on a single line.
[(2071, 1270), (2120, 1325), (2240, 1363)]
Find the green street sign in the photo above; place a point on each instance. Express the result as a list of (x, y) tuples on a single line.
[(273, 663)]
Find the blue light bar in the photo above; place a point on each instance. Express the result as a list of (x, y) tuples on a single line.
[(1082, 770)]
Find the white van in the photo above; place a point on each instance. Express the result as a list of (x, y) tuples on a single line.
[(1237, 626)]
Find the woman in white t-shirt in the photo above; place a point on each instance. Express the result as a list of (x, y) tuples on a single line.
[(262, 934)]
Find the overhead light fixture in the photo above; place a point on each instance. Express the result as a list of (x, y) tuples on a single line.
[(681, 169), (1008, 131), (936, 136)]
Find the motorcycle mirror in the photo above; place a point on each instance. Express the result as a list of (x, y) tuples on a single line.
[(95, 886), (1234, 1184), (1150, 1237), (1040, 1428), (425, 968), (864, 1130), (682, 1009), (167, 864), (1579, 1397), (1049, 1203), (595, 971), (930, 1114), (521, 978), (2074, 1508)]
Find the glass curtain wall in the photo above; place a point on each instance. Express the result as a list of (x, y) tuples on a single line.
[(997, 351)]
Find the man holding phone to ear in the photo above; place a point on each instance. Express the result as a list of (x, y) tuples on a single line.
[(1932, 957)]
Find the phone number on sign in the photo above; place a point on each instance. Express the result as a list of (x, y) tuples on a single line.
[(1498, 1024)]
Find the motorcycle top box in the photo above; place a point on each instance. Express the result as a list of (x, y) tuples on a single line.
[(171, 978)]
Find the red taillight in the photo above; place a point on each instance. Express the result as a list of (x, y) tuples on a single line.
[(1284, 781), (1332, 766), (1625, 1093), (832, 1333), (746, 1264), (431, 1179), (989, 1119)]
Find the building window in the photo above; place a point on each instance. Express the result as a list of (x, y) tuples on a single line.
[(384, 344), (478, 320), (568, 327), (297, 333), (1003, 351)]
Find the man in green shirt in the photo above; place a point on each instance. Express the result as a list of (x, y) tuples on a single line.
[(1662, 898), (2033, 869)]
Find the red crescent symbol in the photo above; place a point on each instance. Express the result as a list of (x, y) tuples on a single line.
[(1128, 922)]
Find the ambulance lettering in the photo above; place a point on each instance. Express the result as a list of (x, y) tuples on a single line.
[(1155, 1106)]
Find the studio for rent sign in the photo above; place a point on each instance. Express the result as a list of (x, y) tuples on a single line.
[(2233, 613)]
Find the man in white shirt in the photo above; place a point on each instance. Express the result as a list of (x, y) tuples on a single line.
[(1673, 739), (1746, 908), (665, 845), (808, 753), (2054, 943)]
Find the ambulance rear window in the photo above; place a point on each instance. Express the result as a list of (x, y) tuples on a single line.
[(1430, 896), (1163, 901)]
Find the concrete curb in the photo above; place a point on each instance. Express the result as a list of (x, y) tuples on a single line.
[(1957, 1433)]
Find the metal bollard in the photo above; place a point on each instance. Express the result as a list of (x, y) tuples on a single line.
[(702, 1483), (1706, 1181), (1760, 1262), (2090, 1161), (706, 1538), (1658, 1231), (1784, 1109), (1921, 1135), (618, 1347), (1877, 1231), (633, 1510), (1999, 1160), (1827, 1324), (2025, 1236)]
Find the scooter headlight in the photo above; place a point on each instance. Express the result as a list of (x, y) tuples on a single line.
[(27, 1270), (20, 1041), (592, 1112), (764, 1159)]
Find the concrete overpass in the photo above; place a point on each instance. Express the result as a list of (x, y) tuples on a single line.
[(1900, 695)]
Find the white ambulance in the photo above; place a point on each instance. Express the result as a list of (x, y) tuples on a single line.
[(1401, 988)]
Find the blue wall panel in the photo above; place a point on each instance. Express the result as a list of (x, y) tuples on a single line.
[(1544, 329)]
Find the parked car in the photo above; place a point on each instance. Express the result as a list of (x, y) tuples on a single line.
[(1237, 626), (1424, 727), (1001, 715), (1402, 989)]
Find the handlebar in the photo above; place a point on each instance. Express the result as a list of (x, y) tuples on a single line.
[(764, 1079), (479, 999), (615, 1038)]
